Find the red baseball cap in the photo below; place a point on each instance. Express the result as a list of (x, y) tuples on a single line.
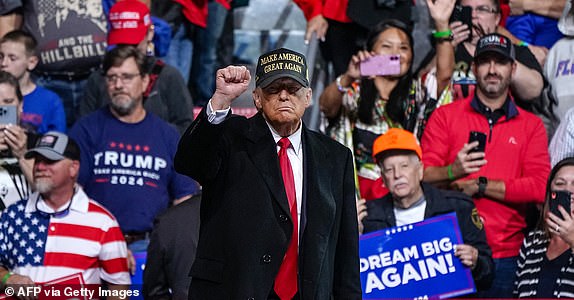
[(130, 21)]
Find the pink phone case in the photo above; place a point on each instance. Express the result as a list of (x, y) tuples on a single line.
[(381, 65)]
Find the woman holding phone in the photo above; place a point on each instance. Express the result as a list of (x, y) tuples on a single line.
[(546, 261), (361, 106)]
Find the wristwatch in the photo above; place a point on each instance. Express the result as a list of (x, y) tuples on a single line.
[(482, 182)]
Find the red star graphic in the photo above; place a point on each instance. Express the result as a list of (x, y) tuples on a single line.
[(138, 148), (121, 145), (146, 148), (129, 147), (113, 144)]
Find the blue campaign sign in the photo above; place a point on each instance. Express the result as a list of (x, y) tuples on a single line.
[(414, 261)]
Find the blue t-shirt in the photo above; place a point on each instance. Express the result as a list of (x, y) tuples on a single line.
[(129, 167), (43, 111)]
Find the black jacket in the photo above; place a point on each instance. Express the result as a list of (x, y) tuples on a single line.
[(245, 221), (440, 202), (171, 252)]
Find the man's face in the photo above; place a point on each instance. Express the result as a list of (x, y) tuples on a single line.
[(493, 74), (94, 8), (126, 87), (13, 59), (485, 17), (402, 175), (283, 102), (50, 174)]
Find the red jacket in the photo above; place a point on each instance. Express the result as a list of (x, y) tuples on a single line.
[(330, 9), (195, 11), (517, 153)]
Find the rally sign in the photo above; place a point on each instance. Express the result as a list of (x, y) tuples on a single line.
[(414, 261)]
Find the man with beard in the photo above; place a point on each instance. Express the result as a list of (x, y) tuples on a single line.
[(127, 152), (509, 170), (58, 232)]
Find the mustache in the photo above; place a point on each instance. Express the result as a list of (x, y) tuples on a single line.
[(114, 94), (400, 182), (493, 76)]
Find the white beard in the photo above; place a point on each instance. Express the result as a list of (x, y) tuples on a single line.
[(43, 185)]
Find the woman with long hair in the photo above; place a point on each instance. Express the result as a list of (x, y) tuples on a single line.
[(360, 107), (546, 261)]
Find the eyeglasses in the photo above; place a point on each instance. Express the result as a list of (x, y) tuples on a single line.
[(277, 88), (125, 78), (484, 10)]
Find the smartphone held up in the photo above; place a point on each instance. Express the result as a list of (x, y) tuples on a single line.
[(8, 114), (381, 65), (562, 198)]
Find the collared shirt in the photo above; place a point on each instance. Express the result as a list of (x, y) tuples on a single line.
[(295, 152), (86, 243), (492, 116)]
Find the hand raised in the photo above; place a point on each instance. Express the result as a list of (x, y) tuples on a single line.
[(440, 11), (230, 83), (354, 69)]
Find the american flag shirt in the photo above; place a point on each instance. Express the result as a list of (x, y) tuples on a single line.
[(86, 240)]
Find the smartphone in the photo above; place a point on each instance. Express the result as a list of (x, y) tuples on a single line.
[(562, 198), (480, 137), (463, 13), (9, 114), (381, 65)]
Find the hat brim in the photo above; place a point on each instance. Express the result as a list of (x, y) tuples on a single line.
[(496, 51), (125, 38), (45, 152), (267, 81)]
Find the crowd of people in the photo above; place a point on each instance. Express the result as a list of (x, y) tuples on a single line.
[(101, 159)]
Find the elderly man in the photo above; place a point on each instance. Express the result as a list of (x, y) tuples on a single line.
[(507, 175), (58, 232), (410, 200), (278, 216)]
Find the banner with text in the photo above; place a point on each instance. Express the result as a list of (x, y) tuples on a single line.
[(414, 261)]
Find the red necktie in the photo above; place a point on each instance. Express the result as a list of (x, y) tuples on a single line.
[(286, 280)]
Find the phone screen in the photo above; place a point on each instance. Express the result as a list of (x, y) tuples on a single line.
[(562, 198), (381, 65), (480, 137)]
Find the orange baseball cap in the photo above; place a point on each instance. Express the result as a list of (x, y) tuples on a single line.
[(397, 139)]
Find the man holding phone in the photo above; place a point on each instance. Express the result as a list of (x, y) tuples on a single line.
[(505, 176), (527, 82)]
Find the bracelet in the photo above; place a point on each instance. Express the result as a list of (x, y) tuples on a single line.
[(449, 172), (341, 88), (523, 44), (5, 278), (442, 34)]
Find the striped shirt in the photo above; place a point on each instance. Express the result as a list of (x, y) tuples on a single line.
[(562, 143), (530, 261), (86, 239)]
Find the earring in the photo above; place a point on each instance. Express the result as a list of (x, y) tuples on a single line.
[(150, 51)]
